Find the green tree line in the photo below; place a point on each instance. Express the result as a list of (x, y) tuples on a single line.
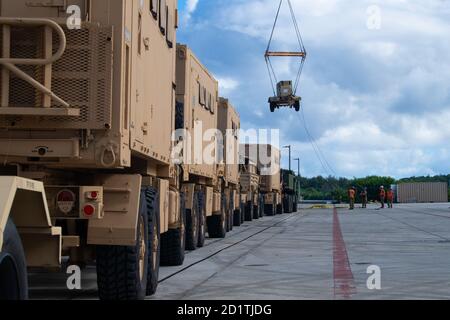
[(332, 188)]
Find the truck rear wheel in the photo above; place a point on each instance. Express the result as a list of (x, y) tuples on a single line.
[(261, 208), (217, 223), (272, 107), (269, 210), (255, 213), (249, 211), (201, 221), (287, 204), (122, 271), (173, 242), (231, 214), (13, 267), (227, 221), (192, 217), (237, 220), (154, 255), (280, 208)]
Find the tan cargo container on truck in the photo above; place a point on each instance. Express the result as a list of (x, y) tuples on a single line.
[(229, 125), (86, 114), (196, 116), (268, 160), (250, 190)]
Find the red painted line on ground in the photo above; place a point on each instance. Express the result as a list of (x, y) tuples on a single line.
[(344, 286)]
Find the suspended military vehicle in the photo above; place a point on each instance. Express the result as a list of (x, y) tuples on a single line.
[(285, 92)]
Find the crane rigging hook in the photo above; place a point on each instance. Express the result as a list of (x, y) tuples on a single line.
[(284, 91)]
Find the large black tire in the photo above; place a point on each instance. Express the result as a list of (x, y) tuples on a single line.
[(231, 214), (261, 207), (287, 204), (217, 223), (269, 210), (237, 220), (255, 212), (201, 221), (154, 256), (192, 224), (122, 271), (297, 106), (173, 242), (272, 107), (294, 206), (279, 209), (248, 211), (227, 221), (13, 266)]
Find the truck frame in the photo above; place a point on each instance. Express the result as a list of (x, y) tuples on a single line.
[(80, 120)]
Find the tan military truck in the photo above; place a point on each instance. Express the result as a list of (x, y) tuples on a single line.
[(196, 117), (250, 186), (87, 97), (268, 159), (229, 125)]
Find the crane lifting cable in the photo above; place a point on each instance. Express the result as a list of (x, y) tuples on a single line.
[(285, 92)]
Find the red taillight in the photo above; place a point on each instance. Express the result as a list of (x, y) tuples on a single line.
[(92, 195), (89, 210)]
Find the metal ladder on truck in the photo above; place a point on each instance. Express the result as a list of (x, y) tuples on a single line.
[(9, 65)]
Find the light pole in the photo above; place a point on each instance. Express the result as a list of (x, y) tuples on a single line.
[(289, 147), (298, 180), (298, 162)]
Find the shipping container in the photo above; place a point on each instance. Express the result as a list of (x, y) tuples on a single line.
[(422, 192)]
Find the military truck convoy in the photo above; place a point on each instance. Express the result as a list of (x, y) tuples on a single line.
[(290, 191), (115, 146)]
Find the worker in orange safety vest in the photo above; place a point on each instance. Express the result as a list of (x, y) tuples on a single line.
[(364, 198), (382, 196), (390, 198), (351, 197)]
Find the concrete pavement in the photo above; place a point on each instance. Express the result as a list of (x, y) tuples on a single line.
[(300, 256)]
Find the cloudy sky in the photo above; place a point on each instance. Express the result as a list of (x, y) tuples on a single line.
[(375, 88)]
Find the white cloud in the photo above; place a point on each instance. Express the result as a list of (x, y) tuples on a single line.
[(227, 85), (191, 6), (378, 101)]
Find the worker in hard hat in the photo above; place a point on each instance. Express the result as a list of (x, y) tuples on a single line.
[(351, 197), (382, 196), (364, 198), (390, 198)]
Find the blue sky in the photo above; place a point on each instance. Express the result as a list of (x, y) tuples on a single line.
[(375, 88)]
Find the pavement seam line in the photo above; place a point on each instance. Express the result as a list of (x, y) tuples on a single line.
[(227, 247)]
